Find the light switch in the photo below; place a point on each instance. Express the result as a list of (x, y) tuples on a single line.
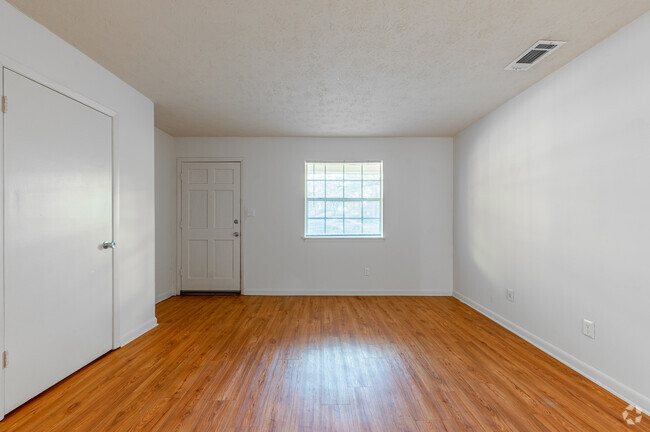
[(250, 212)]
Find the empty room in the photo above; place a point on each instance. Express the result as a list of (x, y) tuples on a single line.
[(324, 215)]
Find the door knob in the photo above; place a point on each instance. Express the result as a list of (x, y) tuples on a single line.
[(236, 234), (108, 245)]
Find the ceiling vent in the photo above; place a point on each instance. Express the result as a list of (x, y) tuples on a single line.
[(534, 55)]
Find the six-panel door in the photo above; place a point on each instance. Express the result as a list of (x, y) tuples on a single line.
[(210, 226)]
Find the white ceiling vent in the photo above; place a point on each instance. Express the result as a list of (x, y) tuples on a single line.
[(534, 55)]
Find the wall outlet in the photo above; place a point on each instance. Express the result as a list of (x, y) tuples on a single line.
[(589, 328), (511, 295), (366, 271)]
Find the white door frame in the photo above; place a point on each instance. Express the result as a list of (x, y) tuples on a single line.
[(40, 79), (179, 213)]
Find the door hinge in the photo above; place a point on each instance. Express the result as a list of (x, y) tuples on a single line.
[(5, 360), (5, 104), (180, 224), (181, 272)]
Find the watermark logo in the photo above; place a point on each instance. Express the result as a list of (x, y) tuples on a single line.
[(632, 415)]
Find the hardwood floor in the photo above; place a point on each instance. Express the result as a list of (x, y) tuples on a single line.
[(323, 364)]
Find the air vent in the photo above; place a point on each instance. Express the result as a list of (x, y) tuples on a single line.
[(534, 54), (546, 46)]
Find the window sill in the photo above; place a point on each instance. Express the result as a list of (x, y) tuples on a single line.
[(341, 238)]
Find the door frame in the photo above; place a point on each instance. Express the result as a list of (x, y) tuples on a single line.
[(179, 213), (7, 63)]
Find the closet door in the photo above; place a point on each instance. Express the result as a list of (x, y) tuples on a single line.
[(58, 213)]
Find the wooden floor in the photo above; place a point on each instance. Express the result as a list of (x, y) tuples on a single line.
[(323, 364)]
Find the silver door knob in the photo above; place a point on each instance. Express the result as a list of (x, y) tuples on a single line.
[(108, 245), (236, 234)]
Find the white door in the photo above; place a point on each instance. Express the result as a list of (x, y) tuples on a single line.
[(58, 212), (210, 226)]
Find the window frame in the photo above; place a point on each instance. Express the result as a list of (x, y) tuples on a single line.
[(306, 200)]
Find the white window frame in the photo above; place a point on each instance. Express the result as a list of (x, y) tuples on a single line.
[(351, 236)]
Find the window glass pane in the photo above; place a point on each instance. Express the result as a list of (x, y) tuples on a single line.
[(372, 171), (353, 226), (334, 226), (315, 171), (352, 209), (315, 226), (334, 209), (353, 171), (316, 209), (315, 189), (372, 226), (352, 189), (343, 199), (334, 189), (371, 189), (371, 209), (334, 171), (319, 171)]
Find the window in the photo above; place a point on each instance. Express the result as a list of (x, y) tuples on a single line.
[(344, 199)]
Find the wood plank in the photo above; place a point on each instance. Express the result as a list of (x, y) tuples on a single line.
[(323, 363)]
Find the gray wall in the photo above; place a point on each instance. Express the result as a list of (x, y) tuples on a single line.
[(165, 152), (413, 259), (552, 200)]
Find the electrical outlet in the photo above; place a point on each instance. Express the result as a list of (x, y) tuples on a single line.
[(589, 328), (366, 271), (511, 295)]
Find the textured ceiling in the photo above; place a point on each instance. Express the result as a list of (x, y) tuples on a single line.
[(326, 67)]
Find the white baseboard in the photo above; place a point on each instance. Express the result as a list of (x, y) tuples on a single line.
[(615, 387), (136, 333), (164, 296), (329, 292)]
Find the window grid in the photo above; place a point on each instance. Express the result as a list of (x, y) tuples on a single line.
[(339, 173)]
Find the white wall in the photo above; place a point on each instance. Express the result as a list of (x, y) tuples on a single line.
[(32, 49), (165, 150), (416, 256), (552, 200)]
